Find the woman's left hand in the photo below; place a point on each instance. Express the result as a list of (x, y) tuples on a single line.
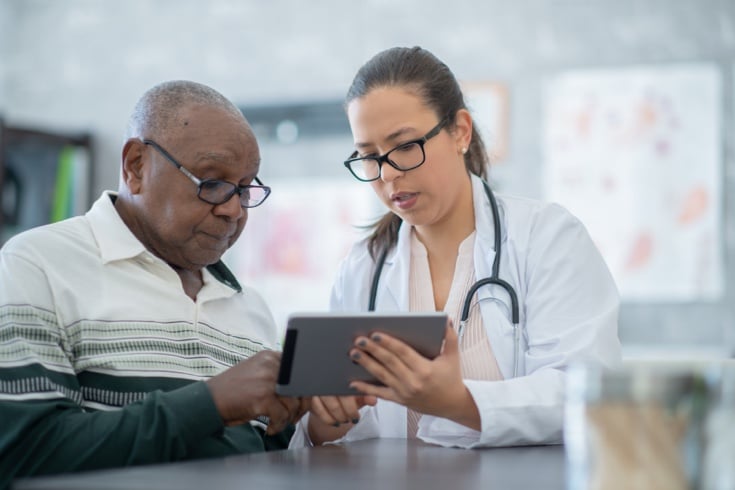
[(429, 386)]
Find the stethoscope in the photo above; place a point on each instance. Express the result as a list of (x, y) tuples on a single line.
[(493, 279)]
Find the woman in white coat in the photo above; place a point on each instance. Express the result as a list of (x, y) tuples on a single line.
[(416, 145)]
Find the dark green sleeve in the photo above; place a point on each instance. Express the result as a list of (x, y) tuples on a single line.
[(58, 436), (278, 441)]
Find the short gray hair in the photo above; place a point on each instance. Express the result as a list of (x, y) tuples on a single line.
[(158, 107)]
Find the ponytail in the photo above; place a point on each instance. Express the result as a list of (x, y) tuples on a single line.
[(384, 235)]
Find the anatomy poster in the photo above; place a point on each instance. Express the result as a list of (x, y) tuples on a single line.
[(293, 243), (636, 155), (488, 104)]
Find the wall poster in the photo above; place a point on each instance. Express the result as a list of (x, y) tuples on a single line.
[(488, 104), (636, 154), (293, 243)]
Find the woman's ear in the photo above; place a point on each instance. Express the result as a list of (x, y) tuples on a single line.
[(132, 165), (463, 129)]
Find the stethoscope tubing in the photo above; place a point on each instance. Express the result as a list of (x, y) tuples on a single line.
[(493, 279)]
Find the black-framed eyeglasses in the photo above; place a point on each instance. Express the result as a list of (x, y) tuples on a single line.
[(404, 157), (214, 191)]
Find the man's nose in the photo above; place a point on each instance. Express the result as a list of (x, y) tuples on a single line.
[(231, 207)]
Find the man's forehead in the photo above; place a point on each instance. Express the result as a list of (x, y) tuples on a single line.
[(202, 122), (193, 112)]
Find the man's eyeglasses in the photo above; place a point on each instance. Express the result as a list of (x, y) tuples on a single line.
[(213, 191), (406, 156)]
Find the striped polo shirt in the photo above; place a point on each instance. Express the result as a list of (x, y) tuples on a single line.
[(91, 321)]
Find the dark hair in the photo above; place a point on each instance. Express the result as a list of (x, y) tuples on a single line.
[(418, 70)]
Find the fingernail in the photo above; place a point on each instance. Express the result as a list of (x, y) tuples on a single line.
[(376, 338), (355, 420), (362, 343), (336, 424), (355, 356)]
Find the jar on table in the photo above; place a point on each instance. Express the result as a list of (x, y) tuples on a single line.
[(636, 427)]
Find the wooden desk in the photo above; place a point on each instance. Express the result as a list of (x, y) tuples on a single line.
[(373, 464)]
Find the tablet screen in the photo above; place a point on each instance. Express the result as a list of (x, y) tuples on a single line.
[(315, 359)]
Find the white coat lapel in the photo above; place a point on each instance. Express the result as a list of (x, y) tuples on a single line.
[(484, 253), (394, 279)]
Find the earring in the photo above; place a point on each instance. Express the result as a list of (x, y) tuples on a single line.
[(464, 150)]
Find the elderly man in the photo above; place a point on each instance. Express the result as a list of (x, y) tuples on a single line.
[(123, 338)]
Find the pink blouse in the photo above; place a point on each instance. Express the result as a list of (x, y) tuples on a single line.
[(476, 354)]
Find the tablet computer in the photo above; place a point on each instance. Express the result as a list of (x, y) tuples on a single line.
[(315, 358)]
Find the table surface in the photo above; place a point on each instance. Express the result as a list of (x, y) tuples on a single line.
[(376, 463)]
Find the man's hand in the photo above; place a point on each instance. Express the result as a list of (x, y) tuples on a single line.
[(247, 390)]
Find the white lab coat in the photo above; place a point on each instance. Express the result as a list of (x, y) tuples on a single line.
[(568, 312)]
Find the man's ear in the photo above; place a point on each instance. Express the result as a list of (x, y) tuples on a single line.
[(132, 165)]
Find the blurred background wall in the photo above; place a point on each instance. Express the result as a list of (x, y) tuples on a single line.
[(6, 33), (80, 65)]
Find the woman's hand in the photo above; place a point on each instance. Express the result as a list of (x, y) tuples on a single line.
[(332, 416), (433, 387)]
